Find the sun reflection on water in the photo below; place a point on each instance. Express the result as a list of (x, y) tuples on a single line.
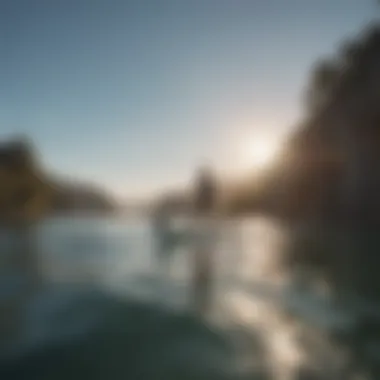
[(260, 307)]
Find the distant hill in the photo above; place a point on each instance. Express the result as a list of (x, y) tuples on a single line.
[(27, 192), (24, 191), (80, 197), (177, 202)]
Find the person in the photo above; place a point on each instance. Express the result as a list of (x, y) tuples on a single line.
[(161, 231), (205, 197), (205, 191)]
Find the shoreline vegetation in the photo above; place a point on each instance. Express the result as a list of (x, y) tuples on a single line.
[(328, 168), (28, 193)]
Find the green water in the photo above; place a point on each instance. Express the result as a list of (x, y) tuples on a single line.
[(290, 302)]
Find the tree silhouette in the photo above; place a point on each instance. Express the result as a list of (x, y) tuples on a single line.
[(25, 192)]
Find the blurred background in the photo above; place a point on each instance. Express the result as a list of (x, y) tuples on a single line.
[(190, 189)]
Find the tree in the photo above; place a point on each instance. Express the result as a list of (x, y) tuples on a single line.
[(321, 85), (24, 192)]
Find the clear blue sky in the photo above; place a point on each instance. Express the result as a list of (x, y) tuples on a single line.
[(134, 94)]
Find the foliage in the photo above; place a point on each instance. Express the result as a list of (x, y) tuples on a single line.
[(24, 191), (27, 193), (332, 156), (79, 197)]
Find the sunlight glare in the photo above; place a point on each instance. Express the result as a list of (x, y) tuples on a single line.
[(257, 153), (261, 153)]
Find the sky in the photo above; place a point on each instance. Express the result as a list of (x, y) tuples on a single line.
[(135, 95)]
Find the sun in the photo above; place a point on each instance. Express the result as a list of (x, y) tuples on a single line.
[(260, 153)]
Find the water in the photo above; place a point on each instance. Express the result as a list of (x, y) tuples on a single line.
[(272, 329)]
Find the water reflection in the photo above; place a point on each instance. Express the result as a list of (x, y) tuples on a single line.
[(277, 329)]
